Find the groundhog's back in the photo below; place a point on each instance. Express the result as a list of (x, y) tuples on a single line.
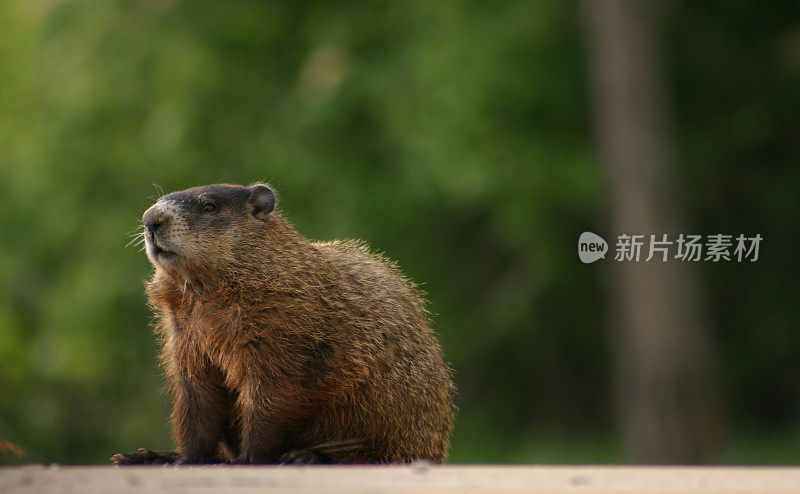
[(409, 386)]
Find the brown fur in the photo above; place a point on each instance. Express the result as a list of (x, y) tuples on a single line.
[(274, 345)]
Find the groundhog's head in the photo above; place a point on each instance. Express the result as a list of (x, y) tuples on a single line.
[(207, 231)]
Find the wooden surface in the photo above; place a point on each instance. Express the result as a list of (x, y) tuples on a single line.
[(379, 479)]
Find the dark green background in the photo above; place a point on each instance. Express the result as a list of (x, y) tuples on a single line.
[(456, 137)]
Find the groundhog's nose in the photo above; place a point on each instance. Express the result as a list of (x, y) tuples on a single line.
[(154, 219)]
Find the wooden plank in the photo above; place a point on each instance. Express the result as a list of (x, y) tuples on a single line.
[(421, 478)]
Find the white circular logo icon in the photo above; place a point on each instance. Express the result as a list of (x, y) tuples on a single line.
[(591, 247)]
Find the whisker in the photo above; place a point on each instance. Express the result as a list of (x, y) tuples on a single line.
[(136, 240), (137, 230), (135, 235)]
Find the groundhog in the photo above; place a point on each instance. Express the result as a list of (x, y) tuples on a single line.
[(281, 350)]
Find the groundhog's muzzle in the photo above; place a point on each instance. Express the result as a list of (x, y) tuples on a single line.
[(157, 221)]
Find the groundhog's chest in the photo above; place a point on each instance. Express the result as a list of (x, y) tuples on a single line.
[(220, 327), (210, 327)]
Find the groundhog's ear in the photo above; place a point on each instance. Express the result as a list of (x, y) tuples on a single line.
[(261, 201)]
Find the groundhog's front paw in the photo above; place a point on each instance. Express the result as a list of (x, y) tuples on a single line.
[(145, 457), (300, 457)]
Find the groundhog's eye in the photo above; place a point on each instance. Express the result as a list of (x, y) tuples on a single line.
[(209, 207)]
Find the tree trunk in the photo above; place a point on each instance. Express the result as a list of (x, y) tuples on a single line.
[(665, 372)]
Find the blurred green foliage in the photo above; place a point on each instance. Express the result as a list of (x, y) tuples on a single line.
[(455, 137)]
